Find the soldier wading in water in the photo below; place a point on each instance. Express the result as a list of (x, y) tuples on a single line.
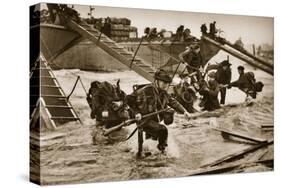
[(152, 98)]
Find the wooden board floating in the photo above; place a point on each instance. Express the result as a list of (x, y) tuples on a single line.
[(238, 154), (240, 135), (229, 167)]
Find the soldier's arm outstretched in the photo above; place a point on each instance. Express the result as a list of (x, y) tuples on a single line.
[(173, 103)]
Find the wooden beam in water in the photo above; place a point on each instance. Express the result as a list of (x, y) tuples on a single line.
[(239, 135), (238, 154), (229, 167)]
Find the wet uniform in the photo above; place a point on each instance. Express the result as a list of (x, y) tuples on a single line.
[(210, 96), (246, 83), (150, 99), (222, 77), (194, 62)]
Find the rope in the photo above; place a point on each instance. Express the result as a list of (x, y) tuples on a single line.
[(78, 78), (135, 54), (75, 84), (73, 74)]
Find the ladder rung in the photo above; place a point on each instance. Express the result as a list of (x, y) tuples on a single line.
[(93, 30), (143, 65), (49, 86), (48, 77), (106, 41), (51, 96), (126, 53), (116, 47), (135, 60), (64, 118), (42, 68), (58, 106)]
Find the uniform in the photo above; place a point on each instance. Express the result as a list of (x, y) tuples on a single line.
[(223, 76), (150, 99), (194, 62), (185, 95), (210, 96), (246, 82)]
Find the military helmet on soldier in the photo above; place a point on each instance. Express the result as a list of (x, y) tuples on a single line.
[(163, 76), (225, 63), (240, 68), (212, 74)]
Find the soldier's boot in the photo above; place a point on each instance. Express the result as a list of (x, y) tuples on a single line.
[(162, 147)]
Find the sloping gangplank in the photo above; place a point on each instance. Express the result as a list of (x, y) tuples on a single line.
[(242, 55)]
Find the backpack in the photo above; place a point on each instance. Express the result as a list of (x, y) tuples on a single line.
[(102, 97)]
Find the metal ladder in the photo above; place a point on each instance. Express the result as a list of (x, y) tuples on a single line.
[(54, 107)]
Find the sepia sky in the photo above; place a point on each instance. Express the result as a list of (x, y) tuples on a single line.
[(253, 30)]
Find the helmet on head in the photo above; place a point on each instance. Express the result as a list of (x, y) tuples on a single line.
[(259, 86), (212, 74), (240, 68), (195, 46), (163, 76), (225, 63)]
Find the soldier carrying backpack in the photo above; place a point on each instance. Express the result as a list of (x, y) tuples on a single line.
[(247, 83)]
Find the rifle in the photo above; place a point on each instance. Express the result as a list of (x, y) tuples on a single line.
[(131, 121)]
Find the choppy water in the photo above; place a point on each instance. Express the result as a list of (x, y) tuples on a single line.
[(68, 155)]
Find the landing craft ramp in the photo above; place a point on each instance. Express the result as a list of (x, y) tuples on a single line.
[(112, 48), (241, 54)]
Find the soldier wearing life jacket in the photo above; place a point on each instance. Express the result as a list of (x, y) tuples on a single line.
[(152, 98), (247, 83)]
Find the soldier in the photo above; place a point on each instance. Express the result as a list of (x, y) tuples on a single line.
[(193, 61), (152, 98), (247, 83), (213, 29), (210, 92), (223, 76), (204, 29), (185, 93)]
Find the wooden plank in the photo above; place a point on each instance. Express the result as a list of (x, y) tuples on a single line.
[(49, 136), (239, 56), (238, 154), (64, 118), (249, 55), (267, 126), (240, 135), (58, 106), (48, 86), (53, 96), (50, 124), (229, 167)]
